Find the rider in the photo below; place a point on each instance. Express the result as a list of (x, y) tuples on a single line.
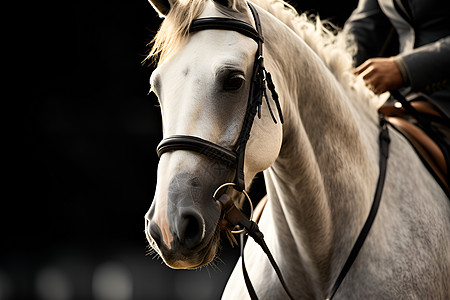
[(422, 63), (405, 45)]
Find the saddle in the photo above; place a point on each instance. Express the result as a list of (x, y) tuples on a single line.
[(428, 150)]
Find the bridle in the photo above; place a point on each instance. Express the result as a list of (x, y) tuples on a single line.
[(261, 79)]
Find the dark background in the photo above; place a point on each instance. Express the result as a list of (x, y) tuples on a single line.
[(82, 167)]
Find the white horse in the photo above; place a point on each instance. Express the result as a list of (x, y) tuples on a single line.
[(320, 167)]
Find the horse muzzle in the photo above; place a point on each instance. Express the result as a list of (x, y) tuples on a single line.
[(189, 246), (183, 227)]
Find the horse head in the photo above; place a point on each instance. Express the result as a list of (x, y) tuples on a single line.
[(203, 84)]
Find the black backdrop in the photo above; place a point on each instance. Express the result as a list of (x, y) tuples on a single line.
[(83, 168)]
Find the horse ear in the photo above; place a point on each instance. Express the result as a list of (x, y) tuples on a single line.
[(162, 7), (225, 3)]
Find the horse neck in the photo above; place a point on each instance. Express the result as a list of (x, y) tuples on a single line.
[(320, 188)]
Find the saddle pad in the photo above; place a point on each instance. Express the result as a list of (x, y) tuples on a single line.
[(427, 149)]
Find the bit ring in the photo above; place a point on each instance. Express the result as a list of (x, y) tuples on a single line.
[(246, 196)]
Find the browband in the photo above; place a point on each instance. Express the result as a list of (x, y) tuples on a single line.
[(225, 24)]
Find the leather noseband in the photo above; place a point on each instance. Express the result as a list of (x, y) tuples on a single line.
[(199, 145)]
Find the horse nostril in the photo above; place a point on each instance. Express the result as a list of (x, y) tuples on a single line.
[(191, 229), (155, 233)]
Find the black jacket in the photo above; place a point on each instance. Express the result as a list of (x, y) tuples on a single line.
[(425, 24)]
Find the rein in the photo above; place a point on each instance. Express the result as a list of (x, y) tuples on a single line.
[(260, 81), (235, 217), (384, 141)]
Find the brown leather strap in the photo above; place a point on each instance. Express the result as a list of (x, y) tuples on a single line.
[(421, 106), (425, 146), (427, 140)]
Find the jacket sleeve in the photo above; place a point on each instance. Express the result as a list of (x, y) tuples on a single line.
[(428, 67), (369, 28)]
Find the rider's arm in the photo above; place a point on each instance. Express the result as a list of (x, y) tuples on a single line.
[(369, 27), (427, 67)]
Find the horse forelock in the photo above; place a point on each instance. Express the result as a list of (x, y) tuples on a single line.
[(175, 27)]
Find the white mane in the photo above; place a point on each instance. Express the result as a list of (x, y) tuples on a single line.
[(334, 47)]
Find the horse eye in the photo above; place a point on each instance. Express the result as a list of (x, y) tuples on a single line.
[(234, 82)]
